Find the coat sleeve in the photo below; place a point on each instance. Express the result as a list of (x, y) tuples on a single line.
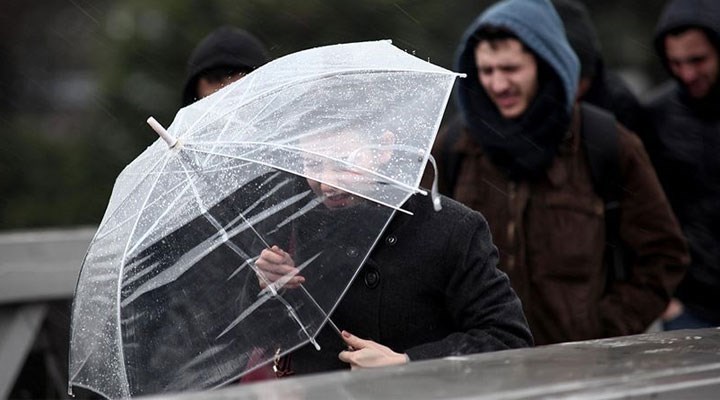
[(658, 251), (487, 313)]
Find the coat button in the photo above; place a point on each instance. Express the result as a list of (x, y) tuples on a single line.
[(372, 278), (391, 240), (352, 252)]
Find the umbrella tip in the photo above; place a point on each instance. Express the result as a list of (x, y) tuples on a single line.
[(164, 134)]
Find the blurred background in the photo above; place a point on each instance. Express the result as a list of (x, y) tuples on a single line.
[(78, 79)]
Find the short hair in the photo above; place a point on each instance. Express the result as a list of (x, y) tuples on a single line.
[(494, 34), (710, 35), (679, 30)]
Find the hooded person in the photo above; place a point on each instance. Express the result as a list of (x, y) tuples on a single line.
[(684, 150), (222, 57), (519, 160), (598, 85)]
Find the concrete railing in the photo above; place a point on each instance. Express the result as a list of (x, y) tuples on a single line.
[(666, 365), (35, 267), (41, 265)]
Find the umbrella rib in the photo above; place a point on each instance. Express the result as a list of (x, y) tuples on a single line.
[(107, 218), (264, 215), (219, 100), (271, 292), (215, 242), (167, 210), (265, 294), (309, 206), (308, 177), (355, 71), (227, 124), (160, 218), (210, 217), (301, 150), (327, 317), (222, 132), (118, 293), (180, 268), (121, 223), (436, 127)]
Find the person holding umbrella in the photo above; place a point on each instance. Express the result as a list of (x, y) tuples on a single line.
[(168, 298), (429, 289)]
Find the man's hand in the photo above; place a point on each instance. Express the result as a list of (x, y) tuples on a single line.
[(368, 354), (673, 310), (273, 264)]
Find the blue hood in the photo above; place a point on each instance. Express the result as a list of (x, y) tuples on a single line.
[(539, 27)]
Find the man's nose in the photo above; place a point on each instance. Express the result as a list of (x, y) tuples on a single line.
[(328, 174), (687, 73), (499, 83)]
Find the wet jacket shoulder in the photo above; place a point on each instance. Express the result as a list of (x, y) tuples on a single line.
[(430, 289), (551, 235), (685, 152)]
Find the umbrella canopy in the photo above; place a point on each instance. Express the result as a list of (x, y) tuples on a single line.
[(168, 298)]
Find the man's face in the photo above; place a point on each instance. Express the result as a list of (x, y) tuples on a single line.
[(509, 75), (350, 147), (206, 87), (331, 175), (693, 60)]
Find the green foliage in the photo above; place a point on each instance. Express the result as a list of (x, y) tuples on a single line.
[(51, 181)]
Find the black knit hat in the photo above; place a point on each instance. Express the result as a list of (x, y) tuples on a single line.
[(228, 47)]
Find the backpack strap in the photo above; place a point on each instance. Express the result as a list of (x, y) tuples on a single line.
[(451, 160), (600, 138)]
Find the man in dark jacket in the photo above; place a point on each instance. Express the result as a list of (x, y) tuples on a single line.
[(598, 85), (222, 57), (522, 163), (430, 287), (686, 114)]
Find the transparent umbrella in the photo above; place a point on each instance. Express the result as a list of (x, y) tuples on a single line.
[(169, 297)]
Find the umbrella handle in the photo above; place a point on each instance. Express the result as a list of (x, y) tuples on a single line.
[(434, 192)]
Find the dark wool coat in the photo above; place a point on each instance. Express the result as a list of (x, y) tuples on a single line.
[(551, 236), (430, 289)]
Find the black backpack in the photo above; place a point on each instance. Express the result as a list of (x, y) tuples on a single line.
[(600, 140)]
